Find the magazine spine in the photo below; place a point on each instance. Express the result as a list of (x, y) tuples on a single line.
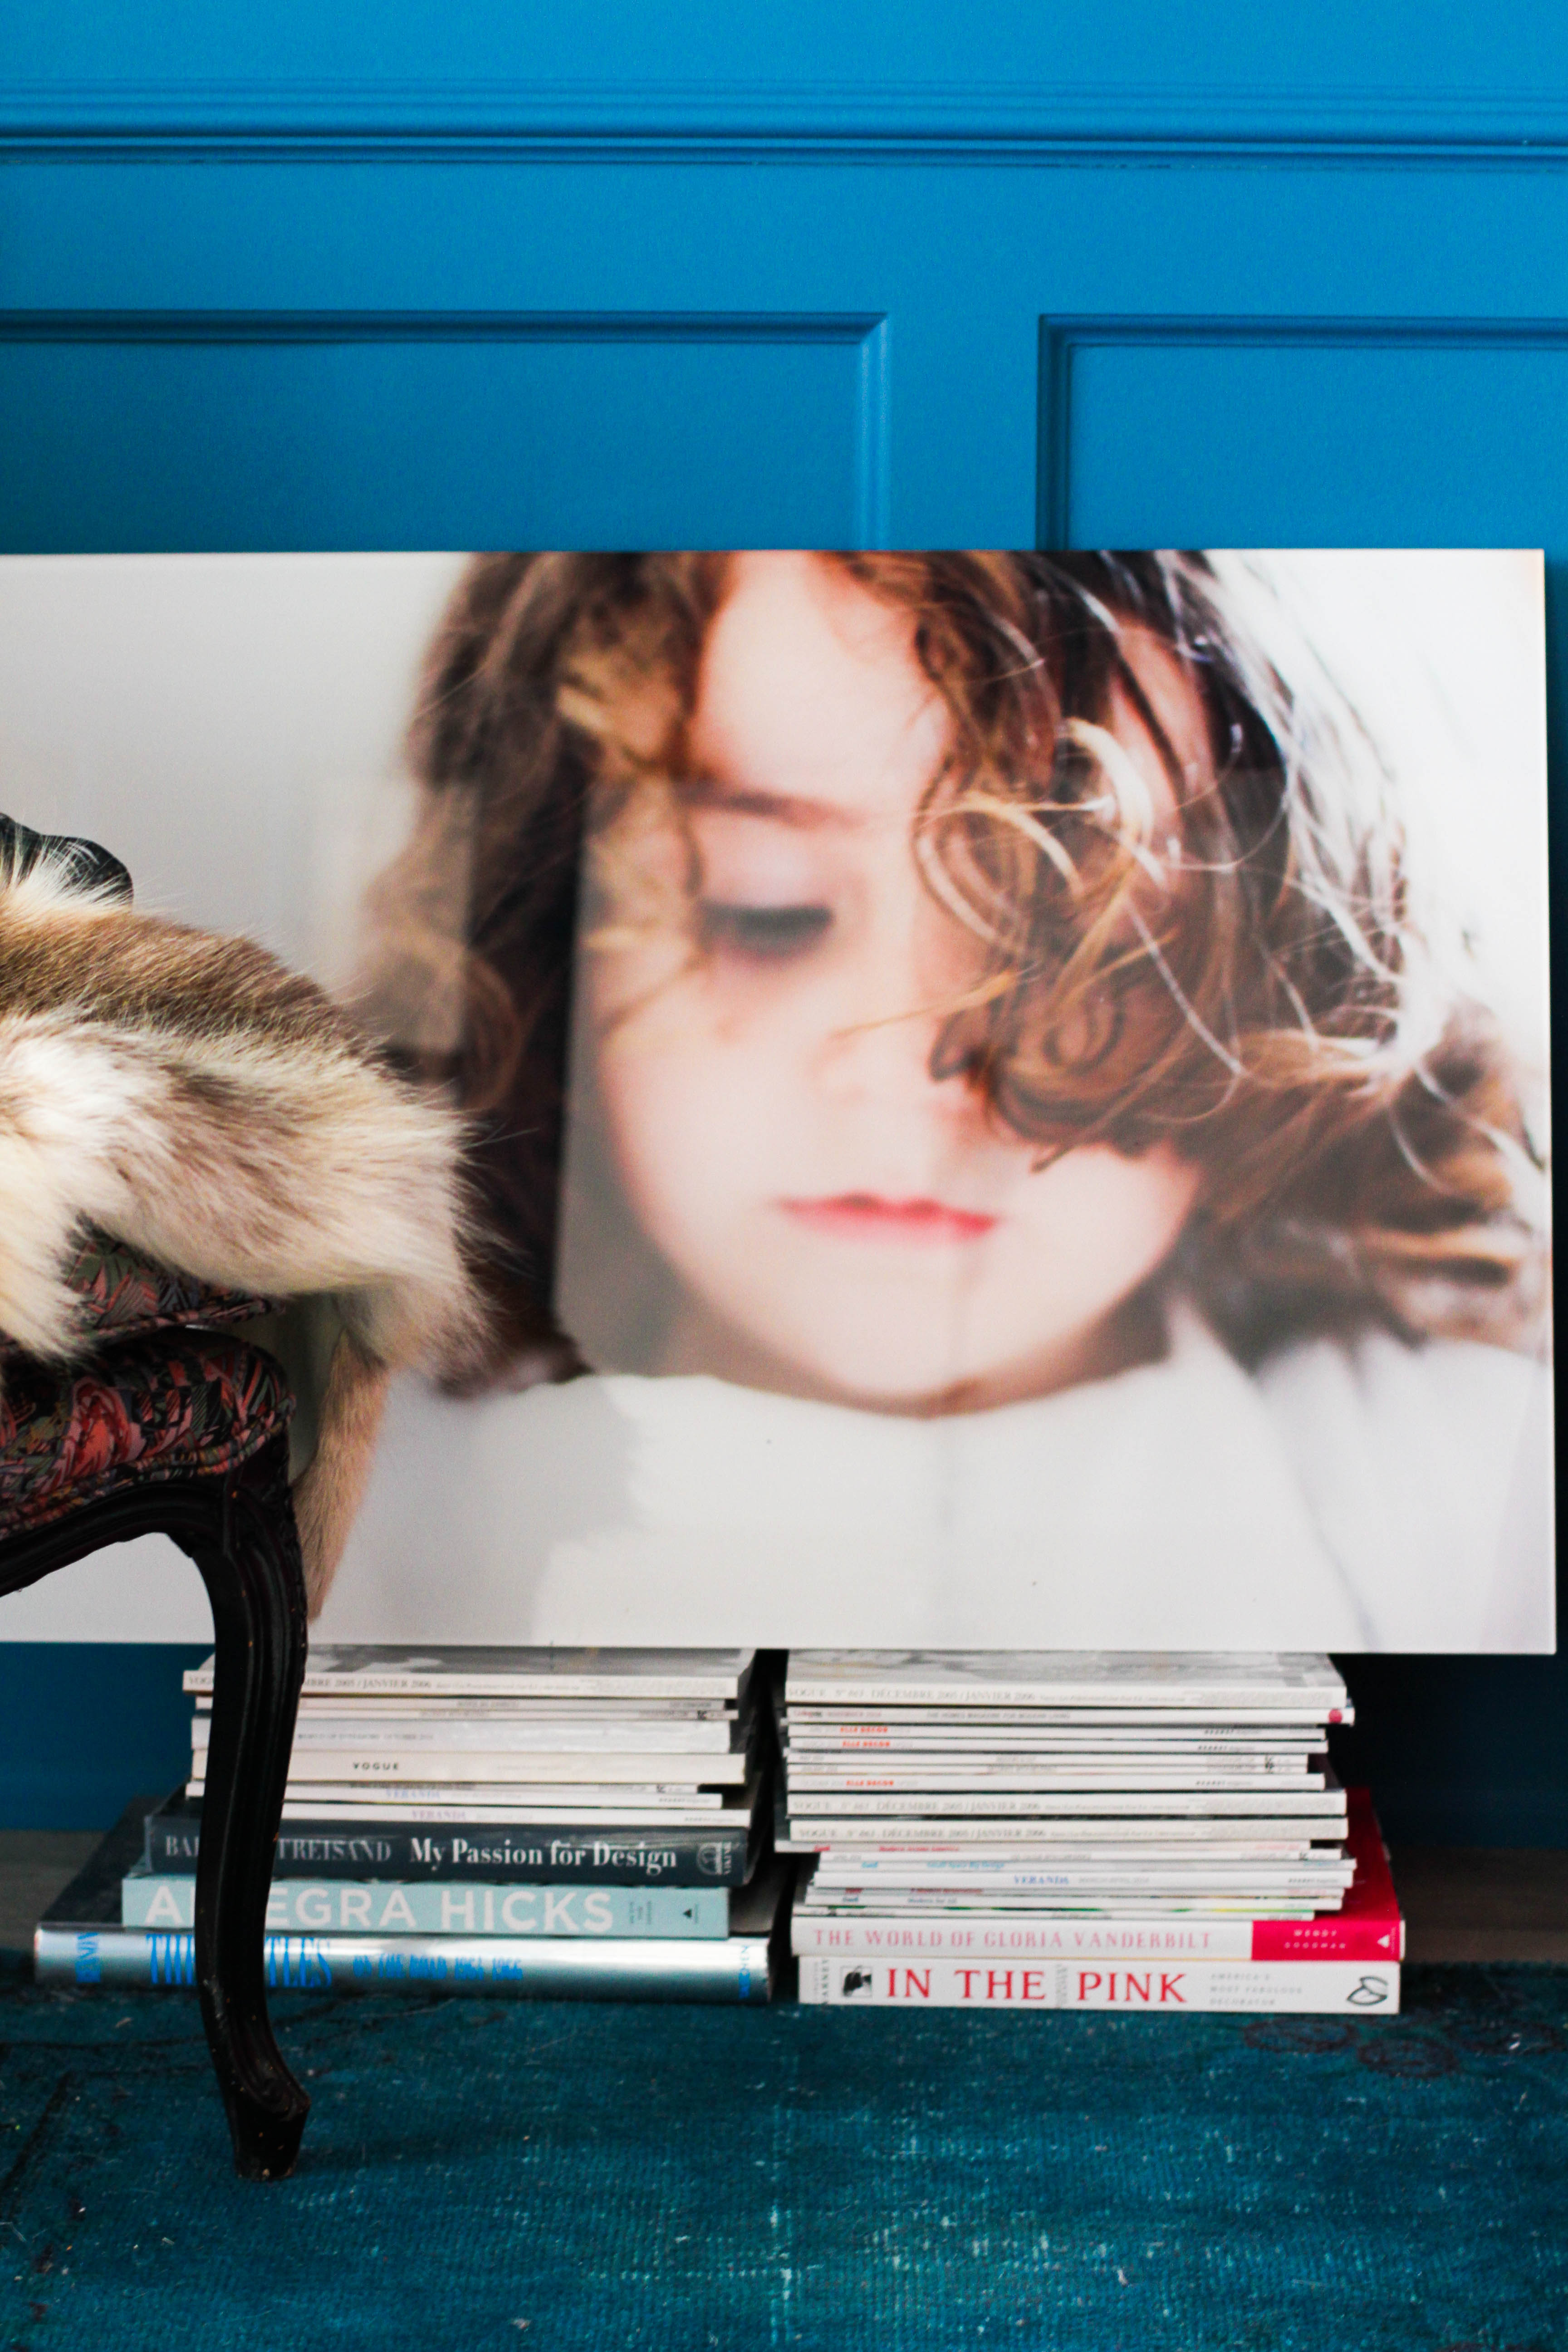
[(555, 1968), (457, 1807), (1261, 1752), (1274, 1801), (1349, 1988), (918, 1779), (198, 1682), (1048, 1881), (1044, 1841), (358, 1746), (1326, 1703), (552, 1780), (567, 1855), (304, 1907), (1290, 1720)]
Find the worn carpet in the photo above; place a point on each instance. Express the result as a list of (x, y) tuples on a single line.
[(573, 2177)]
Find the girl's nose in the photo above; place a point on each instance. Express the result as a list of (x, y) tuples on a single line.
[(909, 1055), (894, 1028)]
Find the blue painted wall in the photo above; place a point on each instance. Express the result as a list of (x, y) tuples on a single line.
[(416, 276)]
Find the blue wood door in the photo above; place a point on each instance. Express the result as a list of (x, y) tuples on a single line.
[(407, 277)]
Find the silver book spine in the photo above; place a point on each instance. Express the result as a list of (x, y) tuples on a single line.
[(546, 1968)]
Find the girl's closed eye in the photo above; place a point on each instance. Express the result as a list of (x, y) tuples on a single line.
[(761, 933), (764, 894)]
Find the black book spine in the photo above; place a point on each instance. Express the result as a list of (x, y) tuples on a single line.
[(450, 1850)]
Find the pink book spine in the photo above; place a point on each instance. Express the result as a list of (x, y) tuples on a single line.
[(1367, 1928), (1330, 1937)]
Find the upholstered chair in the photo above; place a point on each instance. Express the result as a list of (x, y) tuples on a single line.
[(176, 1105), (173, 1425)]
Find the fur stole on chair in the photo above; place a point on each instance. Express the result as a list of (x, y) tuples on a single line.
[(218, 1114)]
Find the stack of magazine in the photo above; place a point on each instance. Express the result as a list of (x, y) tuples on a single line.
[(1079, 1830), (544, 1822)]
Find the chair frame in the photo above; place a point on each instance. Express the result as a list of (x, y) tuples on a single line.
[(238, 1526)]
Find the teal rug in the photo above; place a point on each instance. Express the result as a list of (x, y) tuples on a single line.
[(568, 2177)]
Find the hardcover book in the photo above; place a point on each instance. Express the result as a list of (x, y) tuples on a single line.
[(1140, 1986), (309, 1907)]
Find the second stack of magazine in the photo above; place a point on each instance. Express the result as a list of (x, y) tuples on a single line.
[(1080, 1830), (503, 1821)]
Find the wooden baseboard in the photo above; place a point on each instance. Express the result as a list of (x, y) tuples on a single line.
[(1483, 1902), (34, 1866)]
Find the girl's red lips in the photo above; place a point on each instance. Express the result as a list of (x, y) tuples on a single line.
[(866, 1216)]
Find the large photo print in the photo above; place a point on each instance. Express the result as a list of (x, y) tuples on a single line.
[(1003, 1096)]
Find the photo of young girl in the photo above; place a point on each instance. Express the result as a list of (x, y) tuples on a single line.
[(1006, 1093), (982, 1137)]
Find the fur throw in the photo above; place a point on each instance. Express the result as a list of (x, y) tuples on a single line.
[(218, 1114)]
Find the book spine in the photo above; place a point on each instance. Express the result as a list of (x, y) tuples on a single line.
[(564, 1857), (1352, 1988), (552, 1968), (1102, 1941), (420, 1908), (1380, 1937)]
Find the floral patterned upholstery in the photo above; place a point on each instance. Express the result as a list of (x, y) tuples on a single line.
[(124, 1296), (151, 1409)]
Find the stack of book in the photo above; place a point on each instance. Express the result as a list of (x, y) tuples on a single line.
[(1079, 1830), (487, 1821)]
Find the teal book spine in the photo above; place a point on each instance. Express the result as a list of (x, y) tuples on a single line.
[(311, 1906), (732, 1969)]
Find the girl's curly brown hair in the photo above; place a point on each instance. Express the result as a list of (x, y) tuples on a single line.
[(1258, 989)]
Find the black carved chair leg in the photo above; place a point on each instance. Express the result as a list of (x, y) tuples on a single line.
[(255, 1584), (239, 1530)]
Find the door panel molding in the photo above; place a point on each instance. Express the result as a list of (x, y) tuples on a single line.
[(977, 121), (1062, 339), (864, 332)]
